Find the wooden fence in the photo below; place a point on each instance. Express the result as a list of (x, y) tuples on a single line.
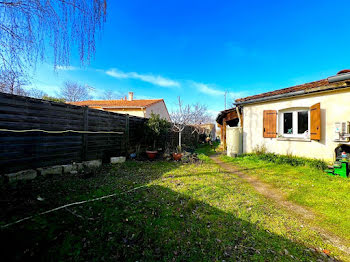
[(94, 134), (108, 134)]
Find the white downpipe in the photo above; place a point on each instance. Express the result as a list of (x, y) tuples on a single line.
[(239, 117)]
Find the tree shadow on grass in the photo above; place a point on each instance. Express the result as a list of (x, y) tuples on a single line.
[(151, 224), (18, 200)]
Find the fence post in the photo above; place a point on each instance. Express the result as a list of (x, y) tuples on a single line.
[(126, 134), (85, 136)]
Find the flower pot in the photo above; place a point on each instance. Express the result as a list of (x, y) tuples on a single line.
[(151, 154), (133, 155), (177, 156)]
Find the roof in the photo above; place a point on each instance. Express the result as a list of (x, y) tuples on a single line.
[(206, 125), (141, 103), (340, 80), (306, 86), (344, 71), (224, 113)]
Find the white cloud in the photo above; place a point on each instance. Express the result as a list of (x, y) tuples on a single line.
[(156, 80), (206, 89), (236, 95), (66, 68), (212, 91)]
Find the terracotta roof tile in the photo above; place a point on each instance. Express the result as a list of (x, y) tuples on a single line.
[(306, 86), (117, 103), (345, 71)]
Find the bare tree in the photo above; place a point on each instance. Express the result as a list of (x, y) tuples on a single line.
[(189, 115), (12, 82), (36, 93), (200, 116), (28, 28), (73, 92), (109, 95), (181, 117)]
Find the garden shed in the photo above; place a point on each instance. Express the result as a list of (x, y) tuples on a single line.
[(230, 117)]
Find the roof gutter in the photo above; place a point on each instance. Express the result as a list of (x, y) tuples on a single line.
[(122, 107), (297, 93), (340, 77)]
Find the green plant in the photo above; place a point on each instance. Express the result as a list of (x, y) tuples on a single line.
[(54, 99), (178, 149), (288, 159), (156, 127), (260, 149)]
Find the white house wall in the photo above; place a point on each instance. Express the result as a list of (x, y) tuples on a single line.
[(335, 107), (139, 113), (158, 108)]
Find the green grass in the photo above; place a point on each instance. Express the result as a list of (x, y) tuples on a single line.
[(207, 150), (186, 212), (290, 160), (327, 196)]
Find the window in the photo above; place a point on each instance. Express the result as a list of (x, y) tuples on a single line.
[(303, 122), (288, 123), (294, 122)]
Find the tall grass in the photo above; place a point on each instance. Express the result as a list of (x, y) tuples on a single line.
[(289, 159)]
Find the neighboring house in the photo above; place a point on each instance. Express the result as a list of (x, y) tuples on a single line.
[(309, 120), (131, 106), (209, 130)]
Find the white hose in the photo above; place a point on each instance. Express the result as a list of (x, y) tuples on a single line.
[(69, 205)]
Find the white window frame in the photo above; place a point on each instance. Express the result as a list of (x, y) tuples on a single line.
[(294, 111)]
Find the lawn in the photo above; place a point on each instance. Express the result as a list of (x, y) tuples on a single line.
[(327, 196), (183, 212)]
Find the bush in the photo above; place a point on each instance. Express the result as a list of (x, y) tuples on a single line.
[(156, 128), (289, 160)]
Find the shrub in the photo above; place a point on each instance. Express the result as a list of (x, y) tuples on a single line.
[(156, 128), (289, 160)]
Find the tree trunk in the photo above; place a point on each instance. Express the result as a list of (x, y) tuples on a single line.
[(180, 141)]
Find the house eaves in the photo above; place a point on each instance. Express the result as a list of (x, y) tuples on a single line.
[(326, 88), (123, 107)]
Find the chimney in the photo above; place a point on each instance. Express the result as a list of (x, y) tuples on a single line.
[(131, 96)]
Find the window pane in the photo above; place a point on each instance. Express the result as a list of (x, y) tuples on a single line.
[(303, 121), (288, 123)]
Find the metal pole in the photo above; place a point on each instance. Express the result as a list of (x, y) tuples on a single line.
[(225, 99)]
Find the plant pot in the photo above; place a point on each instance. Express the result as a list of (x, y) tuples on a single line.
[(133, 155), (177, 156), (151, 154)]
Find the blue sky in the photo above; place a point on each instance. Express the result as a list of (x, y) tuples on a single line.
[(200, 49)]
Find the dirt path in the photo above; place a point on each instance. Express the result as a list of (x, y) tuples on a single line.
[(277, 196)]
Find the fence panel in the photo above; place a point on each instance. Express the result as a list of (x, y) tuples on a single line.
[(32, 149), (50, 143)]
